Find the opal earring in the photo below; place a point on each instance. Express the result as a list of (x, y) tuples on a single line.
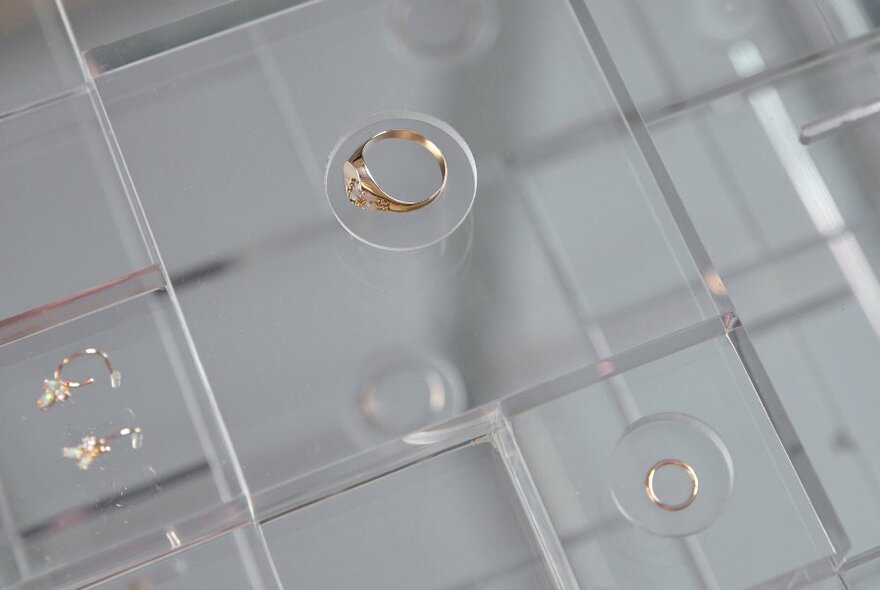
[(58, 390), (91, 447)]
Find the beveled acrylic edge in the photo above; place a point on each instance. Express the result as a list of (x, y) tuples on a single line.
[(547, 538), (142, 550), (763, 78), (252, 551), (109, 57), (470, 427), (83, 303), (113, 56), (794, 450)]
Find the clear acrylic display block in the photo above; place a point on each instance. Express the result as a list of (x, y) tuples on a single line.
[(95, 23), (237, 559), (863, 573), (829, 583), (37, 60), (451, 521), (570, 253), (67, 223), (788, 212), (850, 18), (61, 526), (752, 523), (673, 53)]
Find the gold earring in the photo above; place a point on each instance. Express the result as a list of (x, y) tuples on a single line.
[(58, 389), (91, 447)]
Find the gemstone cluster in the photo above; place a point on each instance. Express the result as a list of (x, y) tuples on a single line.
[(54, 390), (89, 449)]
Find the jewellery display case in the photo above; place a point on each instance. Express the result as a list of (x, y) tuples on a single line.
[(531, 288), (631, 348), (52, 154)]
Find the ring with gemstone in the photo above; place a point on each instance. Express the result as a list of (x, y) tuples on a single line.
[(57, 389), (362, 189), (652, 494)]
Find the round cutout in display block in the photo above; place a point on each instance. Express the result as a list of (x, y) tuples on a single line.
[(671, 474), (407, 161), (403, 395)]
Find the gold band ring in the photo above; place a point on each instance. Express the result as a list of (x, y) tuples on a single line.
[(649, 485), (362, 189), (58, 389)]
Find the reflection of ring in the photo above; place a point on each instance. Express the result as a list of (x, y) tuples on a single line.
[(473, 24), (361, 187), (649, 485), (437, 401)]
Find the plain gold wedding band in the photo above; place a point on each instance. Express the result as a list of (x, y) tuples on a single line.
[(652, 495)]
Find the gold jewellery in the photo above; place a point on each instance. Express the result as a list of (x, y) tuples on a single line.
[(362, 189), (91, 447), (58, 389), (652, 495)]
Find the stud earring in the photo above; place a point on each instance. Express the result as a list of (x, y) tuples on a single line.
[(59, 390), (91, 447)]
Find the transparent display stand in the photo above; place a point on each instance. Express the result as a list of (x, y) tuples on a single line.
[(740, 529), (637, 352), (407, 169), (791, 221)]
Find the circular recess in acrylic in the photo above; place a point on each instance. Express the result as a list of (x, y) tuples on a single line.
[(690, 469), (725, 21), (443, 31), (407, 169), (407, 394)]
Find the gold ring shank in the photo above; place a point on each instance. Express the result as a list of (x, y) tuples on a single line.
[(66, 361), (652, 495), (359, 179)]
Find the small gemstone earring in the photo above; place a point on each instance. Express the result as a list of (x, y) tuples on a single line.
[(58, 389), (91, 447)]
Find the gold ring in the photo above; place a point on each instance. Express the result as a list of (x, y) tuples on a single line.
[(58, 389), (649, 485), (362, 189), (91, 447)]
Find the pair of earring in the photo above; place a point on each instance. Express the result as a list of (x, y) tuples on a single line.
[(58, 390)]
